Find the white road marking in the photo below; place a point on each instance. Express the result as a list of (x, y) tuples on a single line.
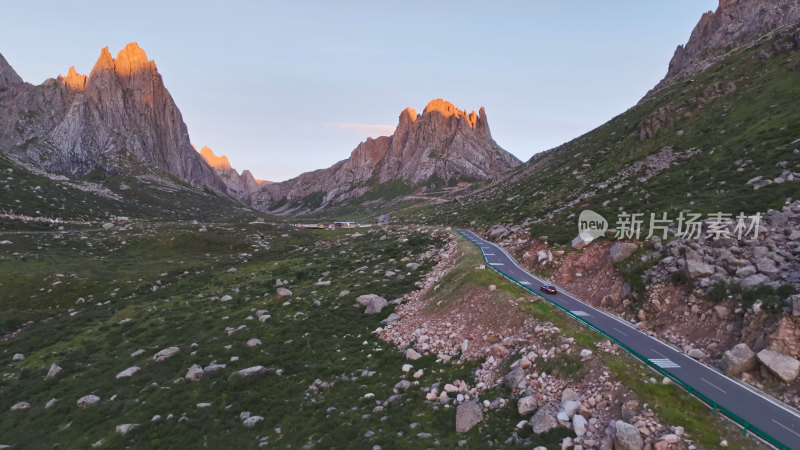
[(496, 264), (526, 283), (488, 254), (580, 313), (784, 426), (620, 331), (664, 363), (483, 243), (714, 385)]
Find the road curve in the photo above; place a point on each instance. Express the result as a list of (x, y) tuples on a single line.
[(772, 420)]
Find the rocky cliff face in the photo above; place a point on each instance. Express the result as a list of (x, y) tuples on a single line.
[(443, 142), (240, 186), (118, 114), (733, 24)]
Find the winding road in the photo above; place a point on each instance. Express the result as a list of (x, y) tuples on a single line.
[(772, 420)]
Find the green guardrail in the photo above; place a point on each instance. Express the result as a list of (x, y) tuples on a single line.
[(747, 427)]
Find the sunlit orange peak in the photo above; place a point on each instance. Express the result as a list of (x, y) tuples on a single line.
[(74, 80), (216, 162)]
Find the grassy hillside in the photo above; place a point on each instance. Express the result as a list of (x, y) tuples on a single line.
[(729, 124)]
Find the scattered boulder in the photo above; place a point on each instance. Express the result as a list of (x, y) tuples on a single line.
[(401, 386), (283, 292), (579, 424), (253, 342), (753, 281), (126, 428), (252, 420), (166, 353), (88, 400), (545, 419), (374, 303), (54, 371), (226, 298), (194, 373), (795, 302), (697, 269), (468, 414), (255, 370), (737, 360), (128, 372), (627, 437), (696, 353), (527, 405), (18, 357), (50, 403), (412, 354), (622, 250), (784, 367), (20, 406), (514, 378)]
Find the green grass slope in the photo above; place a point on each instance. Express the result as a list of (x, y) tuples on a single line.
[(729, 124)]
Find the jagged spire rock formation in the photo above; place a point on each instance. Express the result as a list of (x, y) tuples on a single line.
[(733, 24), (443, 143), (76, 123), (239, 186)]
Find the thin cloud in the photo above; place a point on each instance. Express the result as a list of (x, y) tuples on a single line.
[(363, 129)]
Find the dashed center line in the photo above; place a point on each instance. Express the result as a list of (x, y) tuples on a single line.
[(620, 331), (714, 385), (496, 264), (580, 313), (526, 283), (787, 428)]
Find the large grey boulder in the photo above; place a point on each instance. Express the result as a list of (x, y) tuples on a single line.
[(128, 372), (545, 419), (514, 378), (527, 405), (255, 370), (627, 437), (166, 353), (620, 251), (795, 302), (753, 281), (737, 360), (88, 400), (374, 303), (784, 367), (194, 373), (53, 372), (696, 268), (468, 414)]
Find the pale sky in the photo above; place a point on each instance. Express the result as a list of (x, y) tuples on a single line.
[(286, 87)]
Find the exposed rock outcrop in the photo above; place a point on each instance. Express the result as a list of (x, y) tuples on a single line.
[(118, 114), (239, 185), (733, 24), (442, 143)]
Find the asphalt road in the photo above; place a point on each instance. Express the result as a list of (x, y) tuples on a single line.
[(768, 415)]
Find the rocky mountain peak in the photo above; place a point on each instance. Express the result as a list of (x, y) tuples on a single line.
[(448, 110), (122, 108), (132, 59), (733, 24), (444, 143), (8, 76), (104, 62), (239, 186), (74, 81), (216, 162)]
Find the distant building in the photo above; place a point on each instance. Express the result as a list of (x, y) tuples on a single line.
[(344, 224)]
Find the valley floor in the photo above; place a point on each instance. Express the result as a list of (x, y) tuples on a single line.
[(231, 335)]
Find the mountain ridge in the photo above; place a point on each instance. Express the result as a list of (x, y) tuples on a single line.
[(74, 124), (443, 144)]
